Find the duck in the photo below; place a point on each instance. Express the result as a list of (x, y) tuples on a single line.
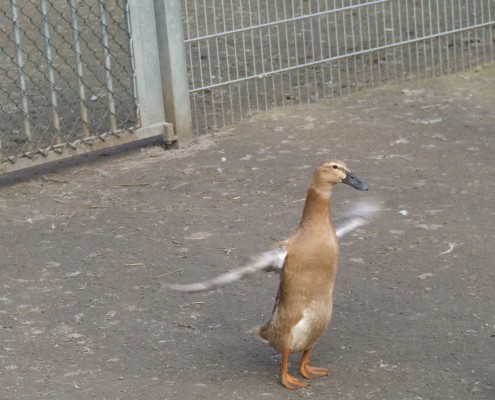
[(307, 263)]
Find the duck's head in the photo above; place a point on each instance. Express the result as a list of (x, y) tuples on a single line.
[(332, 172)]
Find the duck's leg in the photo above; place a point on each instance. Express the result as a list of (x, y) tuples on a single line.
[(287, 380), (308, 371)]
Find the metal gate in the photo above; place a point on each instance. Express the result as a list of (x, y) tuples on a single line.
[(78, 75)]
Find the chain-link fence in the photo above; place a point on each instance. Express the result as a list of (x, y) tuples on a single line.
[(250, 55), (66, 75)]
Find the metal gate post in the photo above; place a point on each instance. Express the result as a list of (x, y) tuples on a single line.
[(144, 45), (173, 67)]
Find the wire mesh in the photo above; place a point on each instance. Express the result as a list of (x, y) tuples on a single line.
[(66, 74), (250, 55)]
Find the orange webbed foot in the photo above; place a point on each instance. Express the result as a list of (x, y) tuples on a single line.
[(291, 382), (307, 370), (310, 372), (287, 380)]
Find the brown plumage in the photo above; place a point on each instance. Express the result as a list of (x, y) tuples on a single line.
[(303, 306), (307, 262)]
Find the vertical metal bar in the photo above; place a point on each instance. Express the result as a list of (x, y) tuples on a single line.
[(454, 46), (79, 66), (462, 35), (210, 72), (392, 28), (491, 32), (475, 18), (287, 46), (430, 19), (337, 46), (353, 38), (408, 35), (453, 10), (483, 30), (425, 55), (304, 51), (108, 65), (262, 53), (415, 17), (361, 42), (253, 48), (279, 50), (239, 94), (368, 24), (344, 30), (274, 92), (313, 55), (200, 58), (130, 53), (329, 43), (399, 11), (22, 75), (258, 40), (296, 52), (436, 28), (470, 51), (440, 40), (377, 36), (227, 59), (244, 51), (50, 72), (320, 42), (192, 68), (219, 68), (444, 15), (385, 41), (446, 28)]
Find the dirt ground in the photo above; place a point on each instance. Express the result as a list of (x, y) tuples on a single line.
[(83, 249)]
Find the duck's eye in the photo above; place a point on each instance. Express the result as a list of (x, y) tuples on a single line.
[(334, 166)]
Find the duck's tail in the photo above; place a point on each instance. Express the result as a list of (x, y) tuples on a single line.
[(261, 332)]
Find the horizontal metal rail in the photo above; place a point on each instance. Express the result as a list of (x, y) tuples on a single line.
[(342, 56), (285, 21)]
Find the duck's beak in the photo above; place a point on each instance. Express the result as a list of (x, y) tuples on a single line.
[(353, 181)]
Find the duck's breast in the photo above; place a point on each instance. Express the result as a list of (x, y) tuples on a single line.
[(315, 319), (304, 302)]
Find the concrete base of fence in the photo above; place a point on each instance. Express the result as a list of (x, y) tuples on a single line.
[(87, 145)]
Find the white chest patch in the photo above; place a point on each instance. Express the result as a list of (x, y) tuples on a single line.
[(301, 330), (312, 318)]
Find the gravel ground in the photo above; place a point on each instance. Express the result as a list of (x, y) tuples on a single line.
[(84, 247)]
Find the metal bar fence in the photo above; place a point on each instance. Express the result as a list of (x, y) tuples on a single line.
[(250, 55), (73, 78)]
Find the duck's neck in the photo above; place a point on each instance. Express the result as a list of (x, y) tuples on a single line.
[(316, 207)]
